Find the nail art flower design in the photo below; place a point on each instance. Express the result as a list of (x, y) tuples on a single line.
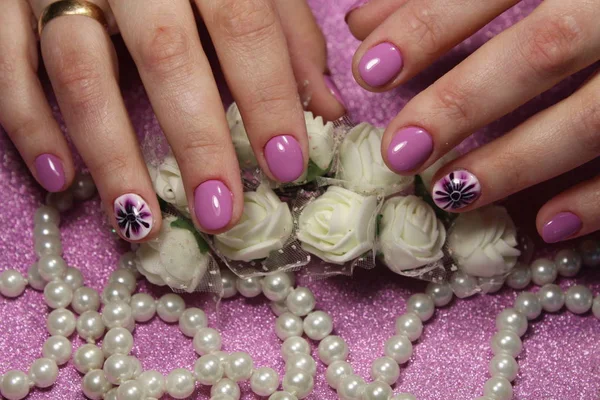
[(456, 190), (133, 216)]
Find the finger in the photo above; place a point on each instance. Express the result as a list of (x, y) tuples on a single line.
[(163, 40), (252, 50), (550, 143), (38, 7), (82, 70), (308, 53), (416, 35), (365, 15), (556, 40), (24, 110)]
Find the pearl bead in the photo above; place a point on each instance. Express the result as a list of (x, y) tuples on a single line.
[(88, 357), (590, 253), (73, 278), (301, 301), (206, 341), (228, 279), (399, 348), (506, 341), (298, 382), (115, 292), (249, 287), (463, 285), (264, 381), (131, 390), (351, 387), (170, 307), (12, 283), (118, 315), (491, 284), (409, 325), (95, 384), (90, 326), (498, 388), (336, 371), (46, 214), (191, 321), (48, 245), (124, 277), (403, 396), (596, 307), (221, 397), (14, 385), (61, 322), (111, 394), (385, 369), (543, 271), (117, 341), (52, 267), (227, 387), (83, 187), (332, 348), (568, 262), (441, 293), (552, 297), (282, 396), (277, 286), (62, 201), (208, 369), (504, 365), (154, 382), (578, 299), (43, 372), (34, 278), (512, 320), (85, 299), (519, 277), (278, 308), (128, 261), (377, 391), (288, 325), (45, 229), (294, 345), (528, 304), (317, 325), (57, 348), (302, 361), (143, 307), (238, 366), (136, 365), (58, 294), (421, 305), (118, 369), (221, 355)]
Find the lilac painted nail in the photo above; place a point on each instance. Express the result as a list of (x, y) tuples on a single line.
[(284, 157), (213, 205), (50, 172), (562, 226), (456, 190), (410, 147), (334, 90), (380, 64), (134, 217)]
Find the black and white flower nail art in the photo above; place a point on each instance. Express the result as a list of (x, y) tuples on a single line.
[(133, 215), (456, 190)]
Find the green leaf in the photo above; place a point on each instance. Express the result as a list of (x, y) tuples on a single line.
[(183, 223), (378, 224), (313, 171)]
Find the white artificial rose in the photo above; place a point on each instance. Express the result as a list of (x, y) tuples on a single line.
[(483, 242), (320, 140), (361, 164), (168, 185), (339, 225), (427, 174), (173, 258), (410, 235), (239, 137), (265, 226)]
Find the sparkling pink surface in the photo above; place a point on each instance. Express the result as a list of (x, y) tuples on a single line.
[(561, 359)]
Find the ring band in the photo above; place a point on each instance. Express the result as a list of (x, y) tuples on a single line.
[(71, 7)]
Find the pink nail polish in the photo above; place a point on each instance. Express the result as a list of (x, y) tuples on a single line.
[(410, 147), (284, 158), (50, 172), (380, 64), (334, 90), (213, 205), (562, 226), (456, 190), (134, 217)]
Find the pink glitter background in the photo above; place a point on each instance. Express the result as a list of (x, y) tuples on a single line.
[(561, 358)]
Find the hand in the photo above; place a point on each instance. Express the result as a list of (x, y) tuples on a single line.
[(559, 38), (268, 49)]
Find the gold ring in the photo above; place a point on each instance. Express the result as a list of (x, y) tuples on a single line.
[(71, 7)]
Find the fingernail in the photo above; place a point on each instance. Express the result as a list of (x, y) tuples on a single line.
[(284, 158), (50, 172), (334, 90), (380, 64), (357, 4), (134, 217), (456, 190), (410, 147), (213, 205), (562, 226)]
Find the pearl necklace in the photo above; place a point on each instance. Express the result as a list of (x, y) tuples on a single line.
[(112, 364)]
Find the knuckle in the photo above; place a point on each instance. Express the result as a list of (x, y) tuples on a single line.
[(453, 102), (589, 134), (166, 51), (202, 145), (25, 127), (111, 168), (272, 97), (246, 20), (80, 78), (425, 29)]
